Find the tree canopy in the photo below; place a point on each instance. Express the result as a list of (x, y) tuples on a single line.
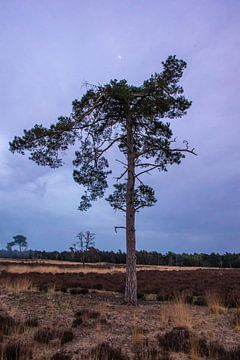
[(19, 241)]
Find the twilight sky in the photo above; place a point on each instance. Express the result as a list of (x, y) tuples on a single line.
[(49, 48)]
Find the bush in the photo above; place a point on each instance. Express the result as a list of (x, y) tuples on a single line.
[(16, 351), (77, 322), (84, 313), (105, 352), (61, 356), (66, 336), (31, 322), (178, 340), (78, 291), (44, 335), (7, 324), (83, 316), (199, 300)]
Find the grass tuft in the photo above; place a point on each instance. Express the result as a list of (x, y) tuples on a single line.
[(181, 311), (215, 303), (20, 284)]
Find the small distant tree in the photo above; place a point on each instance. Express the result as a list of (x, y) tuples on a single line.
[(85, 242), (20, 242)]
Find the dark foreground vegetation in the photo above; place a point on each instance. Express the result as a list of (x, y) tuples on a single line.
[(93, 255)]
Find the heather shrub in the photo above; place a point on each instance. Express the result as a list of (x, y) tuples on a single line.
[(7, 324), (15, 350), (178, 340), (31, 322), (61, 356), (105, 352), (44, 335), (76, 291), (66, 336)]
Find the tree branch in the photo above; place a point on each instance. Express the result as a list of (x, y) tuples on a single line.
[(119, 227)]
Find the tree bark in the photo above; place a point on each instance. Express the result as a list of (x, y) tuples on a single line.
[(131, 272)]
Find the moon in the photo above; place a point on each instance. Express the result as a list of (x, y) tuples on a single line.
[(119, 57)]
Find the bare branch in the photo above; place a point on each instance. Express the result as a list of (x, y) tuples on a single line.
[(110, 145), (121, 176), (191, 151), (121, 162), (148, 170), (119, 227), (137, 177)]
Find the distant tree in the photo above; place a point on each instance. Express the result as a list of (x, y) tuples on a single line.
[(20, 242), (132, 118), (10, 245), (85, 242)]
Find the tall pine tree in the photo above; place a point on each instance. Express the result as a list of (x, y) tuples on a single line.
[(132, 118)]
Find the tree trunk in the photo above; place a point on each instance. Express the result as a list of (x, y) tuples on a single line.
[(131, 273)]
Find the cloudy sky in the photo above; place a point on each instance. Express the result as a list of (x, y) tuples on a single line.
[(48, 49)]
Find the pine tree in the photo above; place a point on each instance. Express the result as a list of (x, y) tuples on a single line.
[(130, 118)]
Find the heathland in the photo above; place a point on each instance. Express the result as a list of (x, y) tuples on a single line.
[(64, 310)]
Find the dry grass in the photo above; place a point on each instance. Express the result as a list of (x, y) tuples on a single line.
[(194, 348), (176, 313), (215, 303), (25, 269), (137, 335), (22, 284), (182, 315), (165, 315), (57, 267), (236, 321)]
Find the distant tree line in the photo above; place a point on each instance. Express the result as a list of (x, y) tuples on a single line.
[(143, 257)]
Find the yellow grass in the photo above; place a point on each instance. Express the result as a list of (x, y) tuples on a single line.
[(18, 285), (137, 335), (215, 303), (56, 267), (194, 352), (182, 315), (176, 313)]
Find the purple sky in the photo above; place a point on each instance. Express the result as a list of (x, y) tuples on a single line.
[(49, 48)]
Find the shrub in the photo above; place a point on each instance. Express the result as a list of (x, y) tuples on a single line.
[(63, 289), (7, 324), (105, 352), (66, 336), (15, 350), (198, 300), (61, 356), (178, 340), (84, 315), (75, 291), (44, 335), (43, 288), (77, 322), (31, 322)]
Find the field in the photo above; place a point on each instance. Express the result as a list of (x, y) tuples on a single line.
[(52, 310)]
